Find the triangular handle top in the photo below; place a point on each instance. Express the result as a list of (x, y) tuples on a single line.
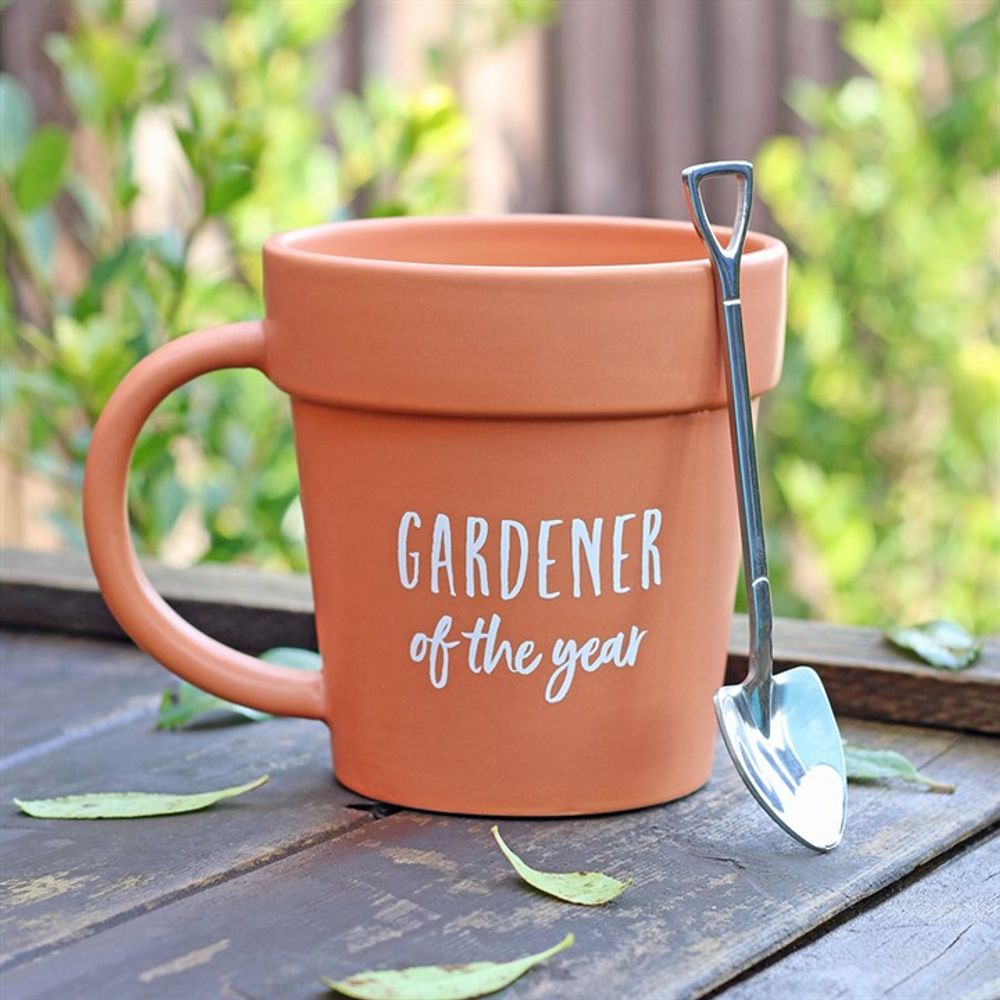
[(726, 258)]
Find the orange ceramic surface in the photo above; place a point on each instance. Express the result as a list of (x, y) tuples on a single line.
[(517, 484)]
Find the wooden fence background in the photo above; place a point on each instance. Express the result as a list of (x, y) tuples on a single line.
[(620, 95), (597, 113)]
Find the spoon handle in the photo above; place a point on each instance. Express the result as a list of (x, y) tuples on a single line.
[(726, 269)]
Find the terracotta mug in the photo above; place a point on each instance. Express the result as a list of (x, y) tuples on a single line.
[(518, 495)]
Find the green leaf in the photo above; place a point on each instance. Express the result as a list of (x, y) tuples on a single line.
[(184, 704), (293, 656), (940, 643), (440, 982), (226, 186), (17, 117), (40, 173), (40, 239), (869, 767), (584, 888), (128, 805)]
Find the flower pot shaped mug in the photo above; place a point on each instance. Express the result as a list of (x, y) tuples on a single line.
[(516, 477)]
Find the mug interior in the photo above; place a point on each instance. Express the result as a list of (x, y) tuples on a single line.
[(510, 241)]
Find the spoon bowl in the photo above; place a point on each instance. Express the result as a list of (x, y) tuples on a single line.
[(795, 767)]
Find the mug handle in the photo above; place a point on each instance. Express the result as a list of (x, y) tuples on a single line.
[(139, 609)]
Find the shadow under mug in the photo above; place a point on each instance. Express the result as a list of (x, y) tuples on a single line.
[(520, 514)]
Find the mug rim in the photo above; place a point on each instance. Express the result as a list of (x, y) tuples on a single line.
[(760, 247)]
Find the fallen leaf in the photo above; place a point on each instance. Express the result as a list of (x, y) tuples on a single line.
[(440, 982), (584, 888), (184, 704), (940, 643), (128, 805), (867, 767)]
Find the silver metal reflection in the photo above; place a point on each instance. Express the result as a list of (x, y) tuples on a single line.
[(780, 731)]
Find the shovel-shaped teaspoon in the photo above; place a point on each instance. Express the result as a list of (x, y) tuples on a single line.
[(780, 731)]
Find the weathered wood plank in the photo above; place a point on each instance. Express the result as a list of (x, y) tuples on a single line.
[(253, 610), (69, 879), (718, 888), (740, 91), (55, 690), (867, 678), (676, 125), (598, 112), (78, 715), (939, 936)]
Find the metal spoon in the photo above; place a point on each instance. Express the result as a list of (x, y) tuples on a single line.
[(780, 731)]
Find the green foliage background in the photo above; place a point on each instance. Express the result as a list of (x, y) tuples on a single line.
[(879, 448), (880, 445), (260, 157)]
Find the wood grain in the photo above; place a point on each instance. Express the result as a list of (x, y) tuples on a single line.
[(740, 116), (77, 729), (868, 678), (676, 127), (58, 689), (939, 936), (63, 880), (718, 889), (600, 132), (252, 610)]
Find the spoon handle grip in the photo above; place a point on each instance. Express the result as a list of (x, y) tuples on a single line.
[(726, 269), (725, 258)]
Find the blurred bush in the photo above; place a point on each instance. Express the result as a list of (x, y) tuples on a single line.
[(254, 155), (881, 443), (879, 447)]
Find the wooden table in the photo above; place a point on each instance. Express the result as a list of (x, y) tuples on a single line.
[(259, 895)]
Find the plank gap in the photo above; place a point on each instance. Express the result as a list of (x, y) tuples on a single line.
[(251, 610), (238, 870), (419, 877), (863, 905), (377, 810)]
